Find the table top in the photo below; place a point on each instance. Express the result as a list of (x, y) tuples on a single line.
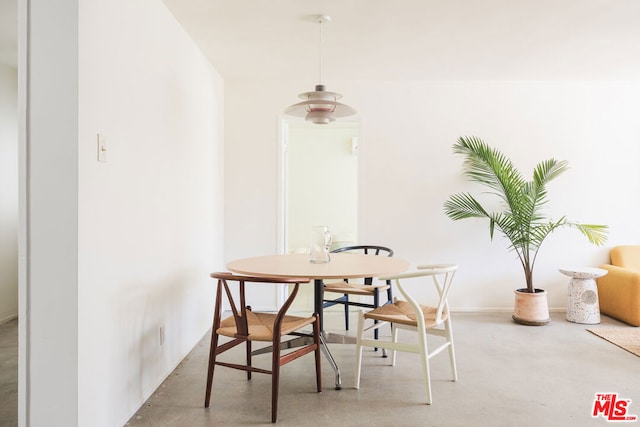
[(341, 266), (583, 272)]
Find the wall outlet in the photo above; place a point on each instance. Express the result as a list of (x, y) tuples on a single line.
[(161, 335)]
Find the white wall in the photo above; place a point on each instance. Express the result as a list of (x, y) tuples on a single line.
[(150, 219), (8, 193), (146, 225), (407, 170)]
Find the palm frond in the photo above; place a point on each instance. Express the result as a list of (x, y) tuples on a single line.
[(490, 167), (463, 205), (540, 231), (596, 233), (548, 170)]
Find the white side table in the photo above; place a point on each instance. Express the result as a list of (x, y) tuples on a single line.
[(582, 301)]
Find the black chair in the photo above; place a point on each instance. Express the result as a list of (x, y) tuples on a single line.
[(367, 289), (245, 326)]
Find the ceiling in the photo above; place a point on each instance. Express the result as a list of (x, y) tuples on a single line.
[(406, 39), (418, 39)]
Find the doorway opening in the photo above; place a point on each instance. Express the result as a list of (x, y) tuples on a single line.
[(318, 186)]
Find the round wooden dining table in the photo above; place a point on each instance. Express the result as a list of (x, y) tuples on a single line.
[(340, 266)]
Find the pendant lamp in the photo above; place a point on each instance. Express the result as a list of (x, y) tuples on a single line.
[(320, 106)]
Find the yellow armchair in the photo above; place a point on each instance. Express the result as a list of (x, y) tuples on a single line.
[(619, 290)]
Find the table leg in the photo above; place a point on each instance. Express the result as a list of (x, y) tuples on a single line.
[(332, 362), (318, 297), (318, 302), (318, 291)]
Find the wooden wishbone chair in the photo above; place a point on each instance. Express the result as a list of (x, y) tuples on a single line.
[(245, 326)]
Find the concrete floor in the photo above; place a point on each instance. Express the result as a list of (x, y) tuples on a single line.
[(509, 375), (9, 373)]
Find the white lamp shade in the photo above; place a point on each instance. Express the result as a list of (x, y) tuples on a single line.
[(320, 107)]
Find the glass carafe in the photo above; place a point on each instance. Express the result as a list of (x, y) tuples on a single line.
[(320, 244)]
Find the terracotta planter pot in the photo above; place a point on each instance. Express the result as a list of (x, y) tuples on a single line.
[(531, 309)]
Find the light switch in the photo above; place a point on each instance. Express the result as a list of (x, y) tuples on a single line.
[(102, 148)]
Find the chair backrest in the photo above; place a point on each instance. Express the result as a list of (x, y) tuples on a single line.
[(442, 275), (365, 249), (239, 309), (627, 256)]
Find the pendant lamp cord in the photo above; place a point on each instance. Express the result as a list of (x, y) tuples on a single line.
[(320, 54)]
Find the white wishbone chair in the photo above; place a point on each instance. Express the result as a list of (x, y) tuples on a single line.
[(412, 316)]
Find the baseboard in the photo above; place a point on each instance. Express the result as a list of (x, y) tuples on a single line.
[(340, 310), (497, 310)]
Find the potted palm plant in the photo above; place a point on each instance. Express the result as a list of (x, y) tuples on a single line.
[(521, 219)]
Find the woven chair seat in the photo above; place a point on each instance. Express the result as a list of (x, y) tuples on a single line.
[(261, 325), (354, 288), (402, 313)]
